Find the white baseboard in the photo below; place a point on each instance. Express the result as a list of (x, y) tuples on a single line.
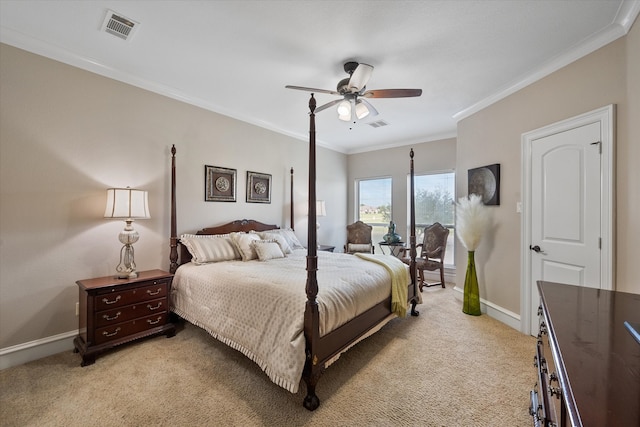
[(501, 314), (33, 350)]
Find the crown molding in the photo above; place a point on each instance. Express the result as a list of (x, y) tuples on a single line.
[(625, 18), (48, 50)]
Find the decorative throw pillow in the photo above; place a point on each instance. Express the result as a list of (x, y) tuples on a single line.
[(291, 237), (267, 249), (242, 242), (209, 248), (359, 247), (282, 241)]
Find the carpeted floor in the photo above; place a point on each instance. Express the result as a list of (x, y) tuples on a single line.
[(443, 368)]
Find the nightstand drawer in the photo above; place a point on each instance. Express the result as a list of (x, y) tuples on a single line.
[(117, 297), (124, 329), (122, 314)]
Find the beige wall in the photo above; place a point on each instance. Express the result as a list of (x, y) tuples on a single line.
[(434, 156), (66, 135), (628, 175), (493, 135)]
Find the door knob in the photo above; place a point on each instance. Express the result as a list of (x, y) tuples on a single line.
[(535, 248)]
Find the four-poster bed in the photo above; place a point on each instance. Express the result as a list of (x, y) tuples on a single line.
[(317, 328)]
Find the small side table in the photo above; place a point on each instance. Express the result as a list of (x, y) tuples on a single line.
[(116, 311), (395, 249)]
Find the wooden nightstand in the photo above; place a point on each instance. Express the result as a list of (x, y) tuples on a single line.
[(116, 311), (326, 248)]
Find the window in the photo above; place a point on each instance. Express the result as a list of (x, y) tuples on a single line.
[(374, 205), (435, 201)]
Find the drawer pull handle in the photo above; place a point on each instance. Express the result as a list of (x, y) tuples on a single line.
[(106, 301), (154, 322), (150, 292), (543, 328), (106, 334), (154, 308), (106, 316)]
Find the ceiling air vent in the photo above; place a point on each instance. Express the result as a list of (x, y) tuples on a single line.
[(378, 124), (119, 25)]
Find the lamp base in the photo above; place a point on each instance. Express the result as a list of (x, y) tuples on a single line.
[(127, 275), (126, 268)]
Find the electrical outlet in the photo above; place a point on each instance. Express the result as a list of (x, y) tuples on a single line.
[(77, 309)]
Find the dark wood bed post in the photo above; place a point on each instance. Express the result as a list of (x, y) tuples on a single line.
[(293, 227), (412, 238), (173, 243), (312, 370)]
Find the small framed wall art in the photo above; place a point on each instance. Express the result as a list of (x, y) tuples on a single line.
[(258, 187), (219, 184), (485, 182)]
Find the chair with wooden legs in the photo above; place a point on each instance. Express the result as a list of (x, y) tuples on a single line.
[(431, 254)]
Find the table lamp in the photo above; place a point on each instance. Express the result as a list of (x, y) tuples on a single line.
[(127, 204)]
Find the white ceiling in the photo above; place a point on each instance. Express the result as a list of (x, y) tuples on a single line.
[(235, 57)]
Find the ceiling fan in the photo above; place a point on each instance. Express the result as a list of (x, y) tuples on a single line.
[(353, 91)]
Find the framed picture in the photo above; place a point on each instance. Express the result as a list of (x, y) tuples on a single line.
[(219, 184), (258, 187), (485, 182)]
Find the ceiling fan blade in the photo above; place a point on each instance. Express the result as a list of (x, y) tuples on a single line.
[(360, 77), (327, 105), (372, 110), (311, 89), (392, 93)]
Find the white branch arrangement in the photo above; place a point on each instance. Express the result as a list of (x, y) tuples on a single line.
[(472, 220)]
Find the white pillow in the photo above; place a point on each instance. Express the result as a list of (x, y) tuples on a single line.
[(288, 234), (267, 249), (359, 247), (282, 241), (242, 242), (209, 248)]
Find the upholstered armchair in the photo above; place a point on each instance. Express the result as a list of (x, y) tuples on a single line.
[(431, 254), (359, 238)]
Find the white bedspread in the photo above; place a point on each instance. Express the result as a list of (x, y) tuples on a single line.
[(257, 307)]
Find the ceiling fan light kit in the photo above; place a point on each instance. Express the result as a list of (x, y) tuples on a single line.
[(361, 110), (353, 87), (344, 108)]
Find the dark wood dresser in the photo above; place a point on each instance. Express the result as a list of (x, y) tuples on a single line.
[(115, 311), (588, 362)]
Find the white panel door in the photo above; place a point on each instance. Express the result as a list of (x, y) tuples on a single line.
[(568, 193), (565, 209)]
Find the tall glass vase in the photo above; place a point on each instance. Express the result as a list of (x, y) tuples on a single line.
[(471, 302)]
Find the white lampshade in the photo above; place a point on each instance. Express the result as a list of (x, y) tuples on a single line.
[(344, 111), (344, 108), (127, 203), (361, 110), (321, 209)]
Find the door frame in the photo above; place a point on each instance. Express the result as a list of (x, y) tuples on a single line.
[(606, 117)]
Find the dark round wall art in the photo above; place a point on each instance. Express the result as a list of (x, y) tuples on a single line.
[(485, 182)]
